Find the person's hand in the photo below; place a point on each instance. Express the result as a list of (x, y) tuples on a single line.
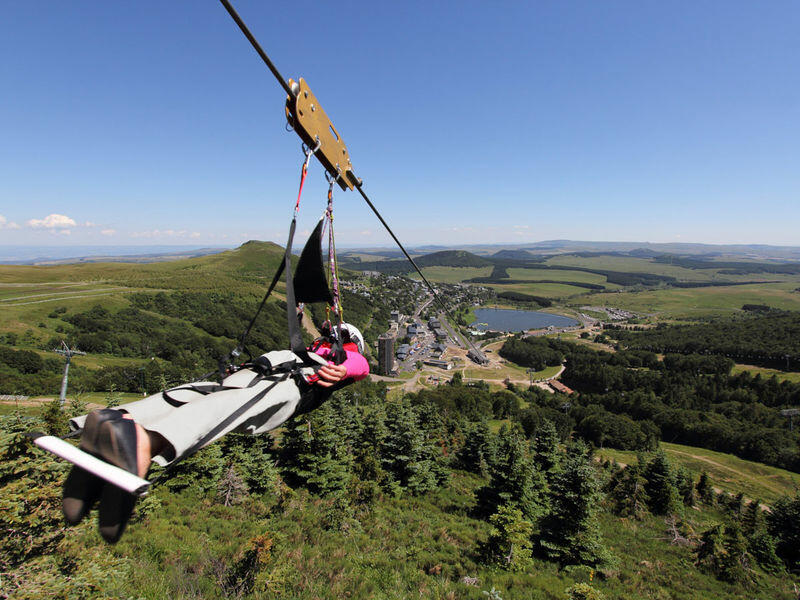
[(330, 374)]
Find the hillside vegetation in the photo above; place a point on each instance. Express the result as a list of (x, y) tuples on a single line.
[(365, 498), (454, 491)]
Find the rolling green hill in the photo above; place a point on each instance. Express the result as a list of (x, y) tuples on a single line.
[(166, 320)]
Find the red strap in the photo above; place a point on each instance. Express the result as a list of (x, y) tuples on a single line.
[(303, 174)]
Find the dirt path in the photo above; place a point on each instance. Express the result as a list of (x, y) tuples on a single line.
[(71, 297)]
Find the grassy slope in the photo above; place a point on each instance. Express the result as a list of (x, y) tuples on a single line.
[(699, 302), (727, 472), (547, 290), (401, 548), (559, 275), (24, 307), (629, 264), (781, 375), (452, 274)]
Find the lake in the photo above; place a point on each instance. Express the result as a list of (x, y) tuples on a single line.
[(503, 319)]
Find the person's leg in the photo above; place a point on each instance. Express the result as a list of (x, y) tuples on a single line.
[(196, 424)]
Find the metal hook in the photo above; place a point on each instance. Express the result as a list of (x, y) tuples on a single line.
[(307, 151), (330, 179)]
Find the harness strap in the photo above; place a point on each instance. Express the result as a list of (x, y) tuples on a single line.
[(230, 418)]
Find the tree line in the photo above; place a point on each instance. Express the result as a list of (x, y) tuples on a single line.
[(690, 399), (762, 338)]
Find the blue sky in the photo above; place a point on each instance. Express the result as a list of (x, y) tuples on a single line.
[(469, 122)]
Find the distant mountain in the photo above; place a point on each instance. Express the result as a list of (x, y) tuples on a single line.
[(451, 258), (637, 249), (513, 254), (64, 255)]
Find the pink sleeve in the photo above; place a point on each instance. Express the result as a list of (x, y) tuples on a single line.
[(356, 365)]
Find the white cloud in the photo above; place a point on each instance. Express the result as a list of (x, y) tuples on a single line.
[(6, 224), (365, 232), (64, 231), (108, 231), (195, 234), (90, 224), (51, 222)]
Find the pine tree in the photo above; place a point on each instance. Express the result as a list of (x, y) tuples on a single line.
[(735, 564), (545, 448), (660, 486), (753, 518), (231, 489), (570, 533), (478, 450), (709, 550), (253, 458), (627, 491), (514, 479), (367, 447), (200, 472), (315, 453), (30, 494), (705, 490), (685, 486), (783, 523), (736, 505), (723, 551), (509, 543), (407, 454), (762, 546)]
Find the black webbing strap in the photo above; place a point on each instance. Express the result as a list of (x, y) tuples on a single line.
[(232, 417), (275, 279), (295, 337)]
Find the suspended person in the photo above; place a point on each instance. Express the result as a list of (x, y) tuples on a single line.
[(166, 427)]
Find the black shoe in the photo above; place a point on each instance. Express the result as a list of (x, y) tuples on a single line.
[(116, 444), (81, 488), (81, 491), (116, 508)]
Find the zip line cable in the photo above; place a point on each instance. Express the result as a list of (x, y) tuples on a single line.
[(284, 84), (235, 16)]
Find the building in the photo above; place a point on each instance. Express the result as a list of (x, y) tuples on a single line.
[(477, 356), (442, 364), (386, 354), (559, 387), (395, 316), (403, 350)]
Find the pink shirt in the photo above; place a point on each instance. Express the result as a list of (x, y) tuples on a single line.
[(356, 365)]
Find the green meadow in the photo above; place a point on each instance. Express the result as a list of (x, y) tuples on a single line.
[(701, 302), (729, 473)]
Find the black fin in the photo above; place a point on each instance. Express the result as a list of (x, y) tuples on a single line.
[(310, 279)]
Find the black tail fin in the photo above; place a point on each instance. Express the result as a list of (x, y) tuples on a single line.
[(310, 279)]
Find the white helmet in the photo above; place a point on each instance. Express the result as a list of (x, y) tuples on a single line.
[(350, 333)]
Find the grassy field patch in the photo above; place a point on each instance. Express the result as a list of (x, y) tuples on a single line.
[(700, 302), (453, 274), (547, 290), (630, 264), (727, 472), (767, 373), (558, 275)]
